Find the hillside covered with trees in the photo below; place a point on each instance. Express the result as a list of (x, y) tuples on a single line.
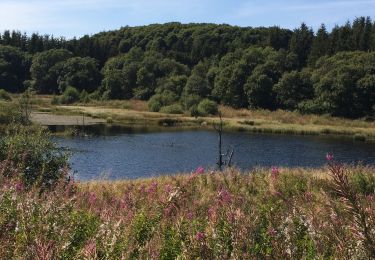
[(180, 66)]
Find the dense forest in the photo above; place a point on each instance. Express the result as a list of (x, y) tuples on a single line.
[(180, 65)]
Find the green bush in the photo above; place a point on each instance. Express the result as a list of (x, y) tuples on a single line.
[(172, 109), (207, 107), (84, 97), (189, 101), (9, 113), (85, 226), (155, 103), (163, 99), (95, 95), (5, 95), (55, 100), (363, 183), (194, 111), (70, 96), (37, 158)]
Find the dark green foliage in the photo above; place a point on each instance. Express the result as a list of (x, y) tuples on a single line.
[(189, 101), (320, 45), (301, 42), (70, 96), (84, 96), (207, 107), (197, 83), (344, 84), (46, 69), (31, 150), (14, 65), (81, 73), (4, 96), (293, 88)]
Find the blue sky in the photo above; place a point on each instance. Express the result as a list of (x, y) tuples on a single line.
[(78, 17)]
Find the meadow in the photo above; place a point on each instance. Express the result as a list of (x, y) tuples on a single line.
[(326, 213)]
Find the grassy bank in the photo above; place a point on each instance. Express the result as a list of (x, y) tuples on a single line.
[(135, 113), (266, 213)]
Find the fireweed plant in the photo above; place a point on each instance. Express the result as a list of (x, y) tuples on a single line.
[(273, 213)]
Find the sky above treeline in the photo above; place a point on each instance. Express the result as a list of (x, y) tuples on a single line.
[(78, 17)]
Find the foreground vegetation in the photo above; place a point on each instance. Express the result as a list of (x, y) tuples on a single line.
[(264, 213), (191, 67)]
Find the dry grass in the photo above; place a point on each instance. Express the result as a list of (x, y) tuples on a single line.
[(135, 112)]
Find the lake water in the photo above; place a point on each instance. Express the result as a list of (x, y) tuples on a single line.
[(128, 154)]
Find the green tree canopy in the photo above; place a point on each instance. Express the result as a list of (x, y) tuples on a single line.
[(14, 66), (81, 73), (46, 68)]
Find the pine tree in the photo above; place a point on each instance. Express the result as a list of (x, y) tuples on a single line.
[(320, 46), (301, 43)]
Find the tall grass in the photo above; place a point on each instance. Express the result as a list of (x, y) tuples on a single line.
[(265, 213)]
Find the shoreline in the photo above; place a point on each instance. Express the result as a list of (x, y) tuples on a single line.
[(161, 122), (135, 114)]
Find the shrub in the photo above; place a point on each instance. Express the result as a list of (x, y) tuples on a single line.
[(70, 96), (172, 109), (207, 107), (84, 97), (36, 157), (9, 113), (55, 100), (155, 103), (95, 95), (189, 101), (194, 111), (158, 101), (5, 95), (363, 183)]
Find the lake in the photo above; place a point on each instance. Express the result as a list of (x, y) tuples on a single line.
[(128, 154)]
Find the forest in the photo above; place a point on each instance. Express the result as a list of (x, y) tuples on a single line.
[(178, 67)]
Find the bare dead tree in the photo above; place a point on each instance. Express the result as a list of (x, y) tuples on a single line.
[(229, 154)]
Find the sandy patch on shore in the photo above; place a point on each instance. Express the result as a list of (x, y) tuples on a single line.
[(44, 118)]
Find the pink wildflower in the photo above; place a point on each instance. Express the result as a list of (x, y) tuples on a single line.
[(329, 157), (308, 196), (199, 170), (275, 172), (122, 204), (153, 187), (211, 212), (272, 232), (200, 236), (168, 188), (19, 186), (92, 197), (224, 196), (89, 250), (190, 215)]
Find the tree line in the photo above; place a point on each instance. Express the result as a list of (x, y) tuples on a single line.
[(182, 65)]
